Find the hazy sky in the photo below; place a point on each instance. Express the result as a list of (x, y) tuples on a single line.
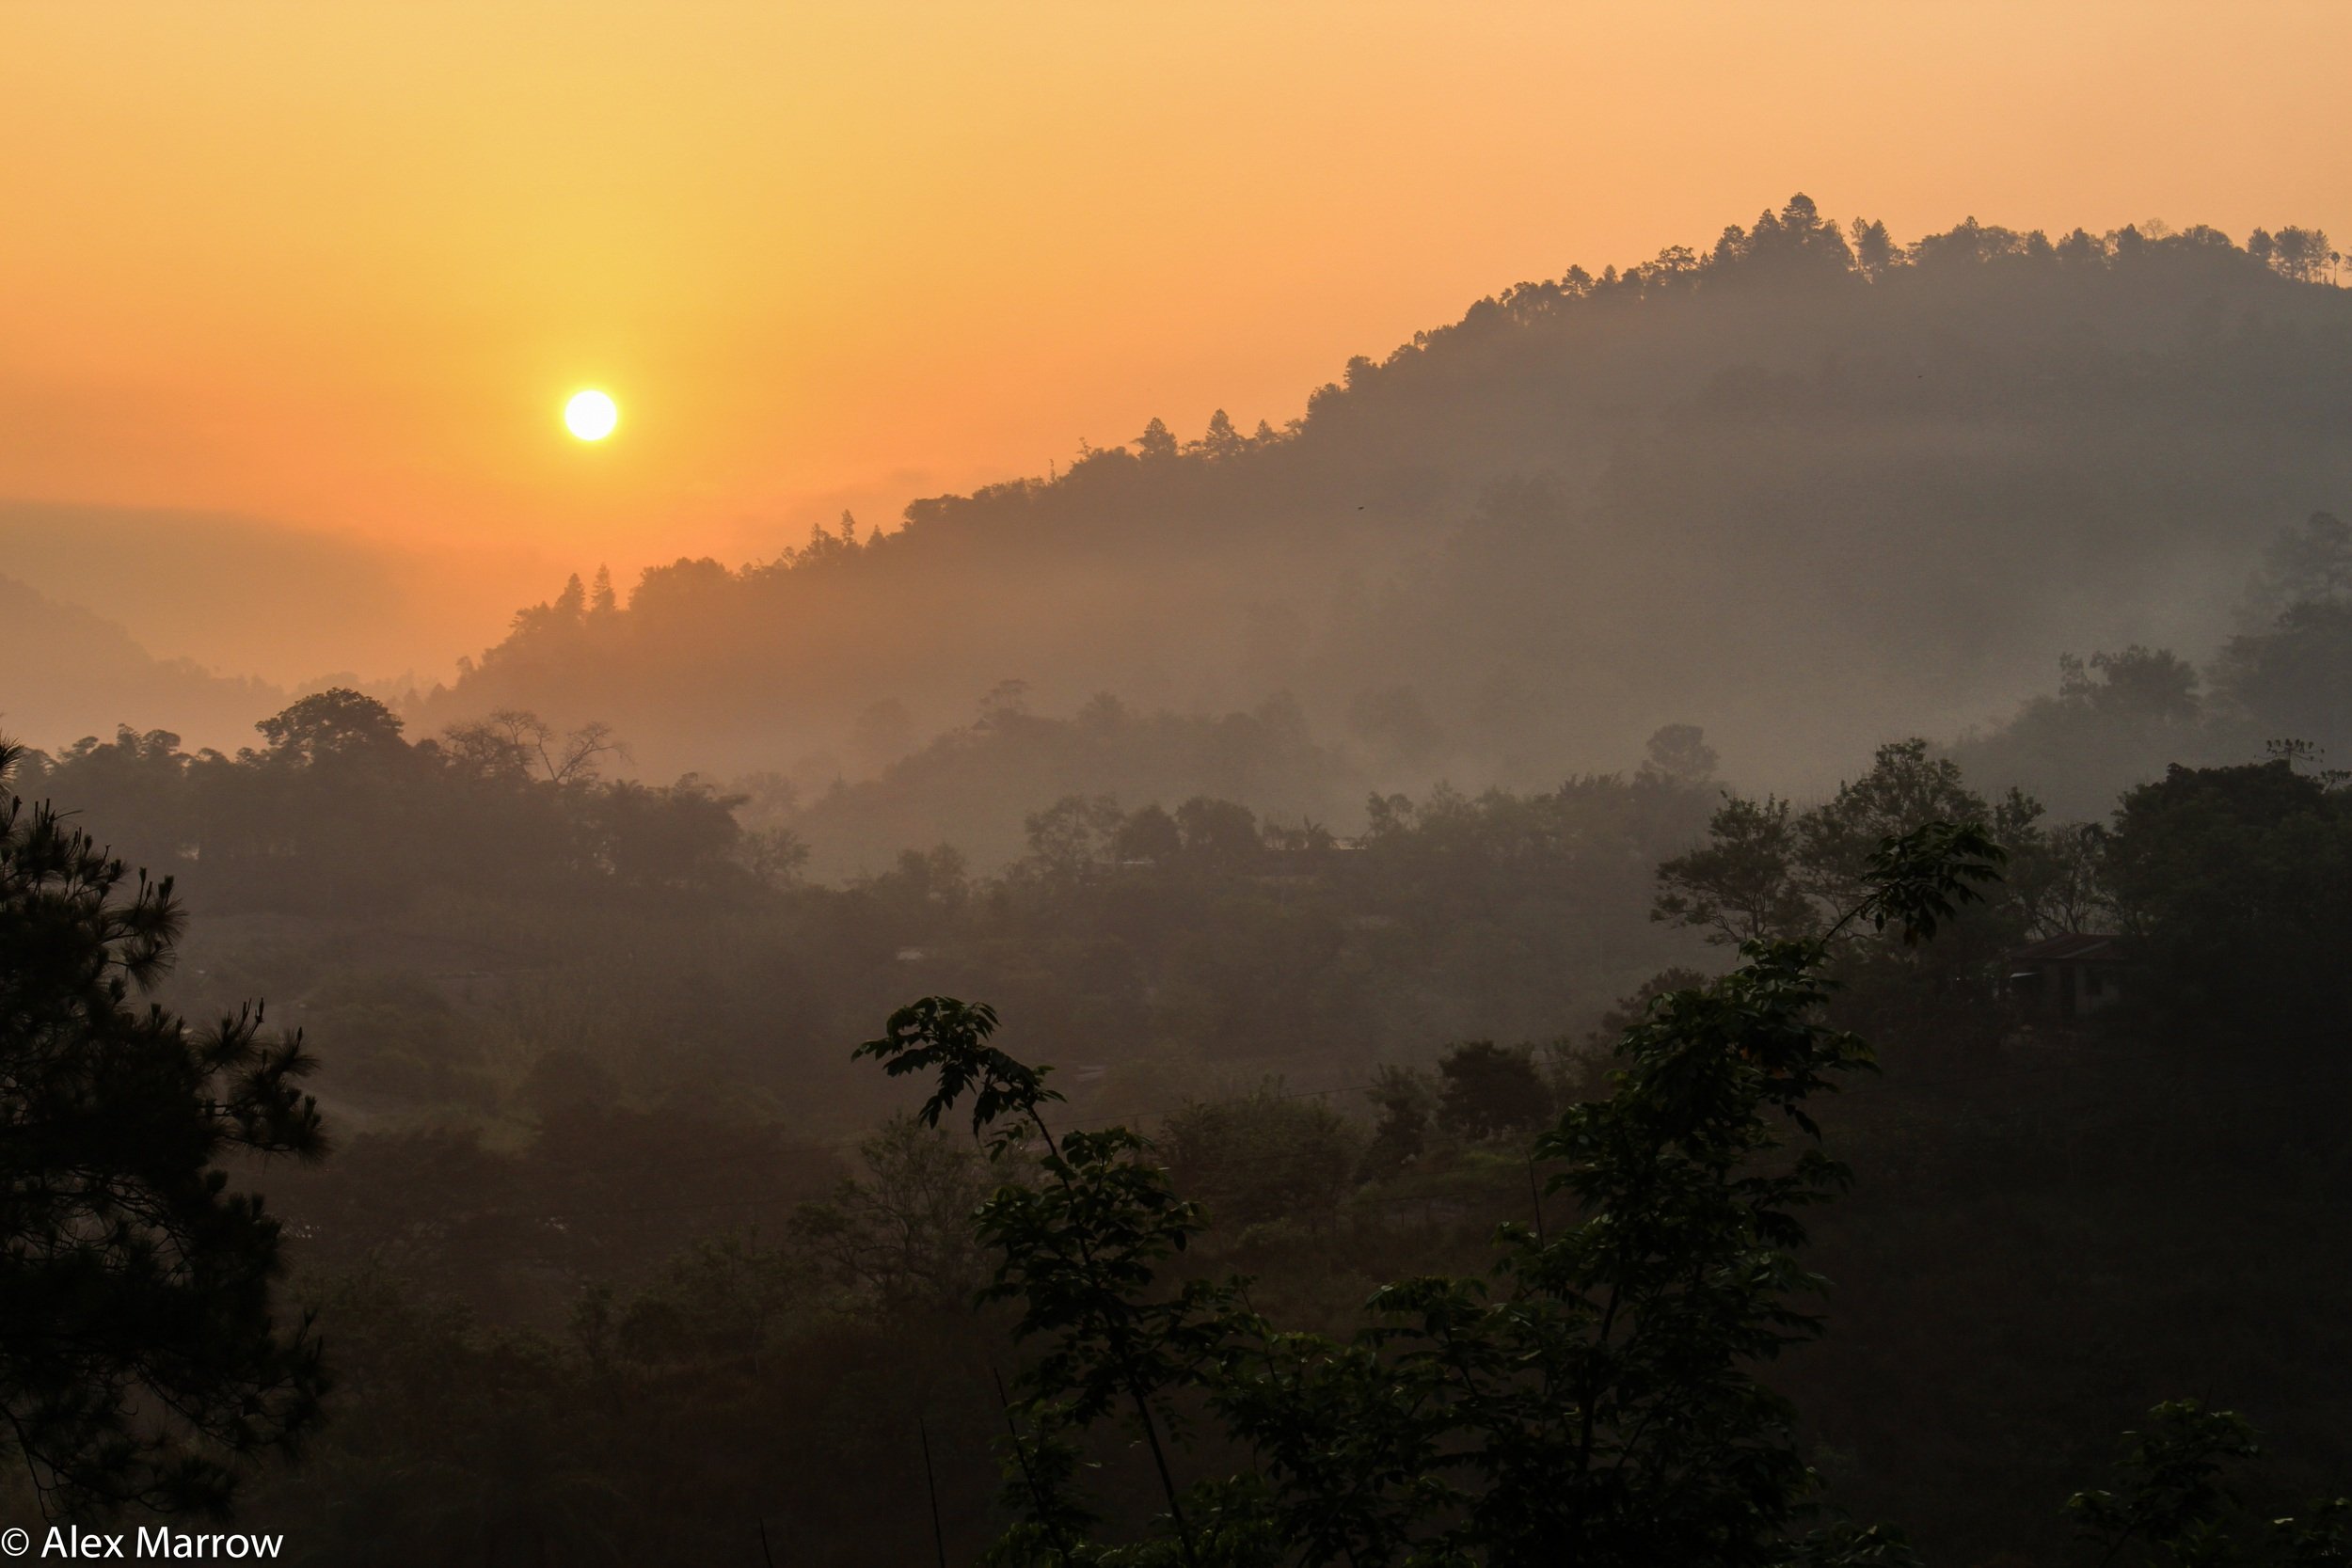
[(340, 263)]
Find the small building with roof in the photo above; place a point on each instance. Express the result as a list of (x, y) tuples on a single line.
[(2062, 979)]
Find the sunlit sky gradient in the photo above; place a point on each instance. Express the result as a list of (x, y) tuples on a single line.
[(341, 264)]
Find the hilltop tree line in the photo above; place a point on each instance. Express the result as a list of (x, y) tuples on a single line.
[(1789, 476)]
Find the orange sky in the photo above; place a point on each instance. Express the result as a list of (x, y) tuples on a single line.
[(339, 263)]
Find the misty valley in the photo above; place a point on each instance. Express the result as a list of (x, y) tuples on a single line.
[(1701, 921)]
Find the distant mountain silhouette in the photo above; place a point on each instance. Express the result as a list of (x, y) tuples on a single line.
[(1808, 488), (247, 593), (62, 667)]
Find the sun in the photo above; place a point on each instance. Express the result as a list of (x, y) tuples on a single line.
[(591, 415)]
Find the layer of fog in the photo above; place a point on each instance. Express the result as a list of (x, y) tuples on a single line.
[(1808, 492)]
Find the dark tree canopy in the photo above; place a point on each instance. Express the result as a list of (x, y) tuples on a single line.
[(1593, 1399), (339, 722), (2236, 883), (142, 1352)]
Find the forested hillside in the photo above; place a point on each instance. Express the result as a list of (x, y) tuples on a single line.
[(603, 1164), (1805, 488)]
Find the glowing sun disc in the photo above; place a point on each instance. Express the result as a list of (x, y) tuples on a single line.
[(590, 416)]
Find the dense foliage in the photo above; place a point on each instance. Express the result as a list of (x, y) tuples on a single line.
[(2237, 883), (143, 1346), (607, 1173), (1592, 1401), (480, 915)]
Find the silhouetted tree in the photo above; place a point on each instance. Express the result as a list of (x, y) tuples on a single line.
[(1074, 835), (1679, 754), (1875, 251), (2237, 883), (2304, 255), (1592, 1401), (1489, 1089), (338, 723), (1217, 833), (1157, 441), (142, 1351), (1148, 834), (1407, 1105)]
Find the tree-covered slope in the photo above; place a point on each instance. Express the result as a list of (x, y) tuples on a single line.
[(1806, 488)]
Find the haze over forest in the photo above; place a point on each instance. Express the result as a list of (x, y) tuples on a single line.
[(876, 784), (1805, 487)]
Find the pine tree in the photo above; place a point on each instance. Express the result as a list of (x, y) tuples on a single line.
[(1157, 441), (142, 1351)]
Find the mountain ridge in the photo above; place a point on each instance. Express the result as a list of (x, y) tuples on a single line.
[(1809, 488)]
